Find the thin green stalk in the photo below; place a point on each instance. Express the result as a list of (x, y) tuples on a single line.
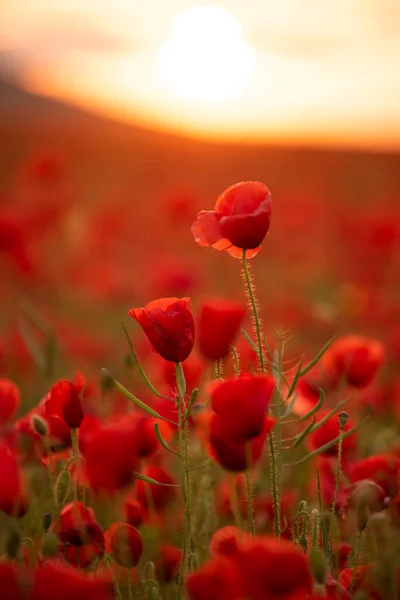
[(235, 503), (114, 578), (337, 477), (357, 548), (184, 471), (75, 455), (249, 492), (130, 594), (250, 292)]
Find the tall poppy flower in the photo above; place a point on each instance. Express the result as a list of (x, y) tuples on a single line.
[(357, 359), (241, 403), (81, 535), (169, 325), (218, 324), (240, 221)]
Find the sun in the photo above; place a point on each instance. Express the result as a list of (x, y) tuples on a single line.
[(205, 58)]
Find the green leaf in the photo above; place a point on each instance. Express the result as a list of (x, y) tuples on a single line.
[(295, 380), (153, 481), (249, 341), (303, 434), (290, 407), (162, 441), (192, 402), (140, 368), (133, 398), (329, 415), (316, 407), (180, 380), (320, 354)]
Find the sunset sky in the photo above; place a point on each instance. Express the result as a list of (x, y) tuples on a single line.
[(296, 70)]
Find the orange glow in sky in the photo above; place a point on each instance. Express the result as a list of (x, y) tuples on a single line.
[(282, 70)]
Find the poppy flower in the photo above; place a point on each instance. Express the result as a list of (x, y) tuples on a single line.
[(240, 221), (273, 568), (12, 581), (168, 562), (217, 579), (169, 325), (226, 541), (81, 535), (125, 543), (231, 454), (13, 500), (63, 400), (111, 456), (357, 359), (56, 580), (241, 404), (383, 469), (218, 324), (9, 400), (133, 511)]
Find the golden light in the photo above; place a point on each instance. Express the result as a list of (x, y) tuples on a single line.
[(205, 58)]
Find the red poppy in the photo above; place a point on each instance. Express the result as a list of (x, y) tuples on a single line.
[(133, 511), (12, 582), (63, 400), (168, 562), (226, 541), (125, 543), (219, 322), (241, 220), (13, 500), (357, 359), (329, 431), (111, 456), (169, 325), (383, 469), (56, 580), (81, 535), (241, 404), (9, 400), (231, 454), (273, 568), (217, 579)]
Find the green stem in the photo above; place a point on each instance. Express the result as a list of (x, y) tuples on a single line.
[(130, 595), (184, 472), (250, 508), (115, 581), (250, 292), (337, 477), (75, 455), (235, 503), (357, 548)]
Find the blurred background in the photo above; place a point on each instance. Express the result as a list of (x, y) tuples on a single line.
[(120, 120)]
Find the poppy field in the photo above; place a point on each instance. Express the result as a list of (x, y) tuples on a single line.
[(199, 392)]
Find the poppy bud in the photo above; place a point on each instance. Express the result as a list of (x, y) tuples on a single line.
[(39, 425), (169, 326), (126, 545), (50, 545), (72, 410), (47, 519), (318, 565)]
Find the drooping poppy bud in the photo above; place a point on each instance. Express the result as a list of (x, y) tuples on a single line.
[(9, 400), (219, 322), (126, 544), (241, 404), (241, 220), (357, 359), (169, 325)]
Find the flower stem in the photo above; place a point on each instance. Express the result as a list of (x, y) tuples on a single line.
[(337, 477), (357, 548), (75, 455), (249, 286), (249, 492), (184, 471)]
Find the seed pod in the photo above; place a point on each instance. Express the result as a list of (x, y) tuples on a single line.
[(47, 519), (39, 425), (50, 545)]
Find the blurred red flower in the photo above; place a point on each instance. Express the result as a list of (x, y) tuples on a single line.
[(81, 535), (13, 499), (56, 580), (125, 543), (169, 325), (357, 359), (241, 219), (218, 324), (9, 400), (168, 562)]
